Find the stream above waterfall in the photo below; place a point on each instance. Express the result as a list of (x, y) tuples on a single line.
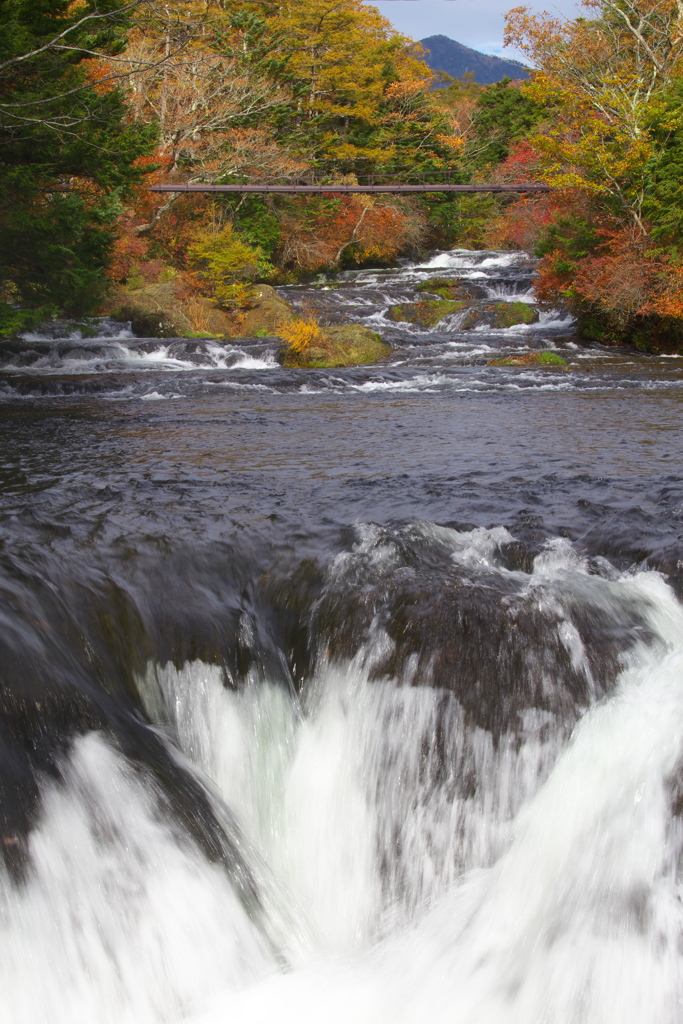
[(344, 695)]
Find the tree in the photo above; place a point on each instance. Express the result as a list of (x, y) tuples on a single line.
[(67, 154), (226, 261), (209, 97), (333, 231), (612, 145), (603, 74), (263, 91), (503, 115)]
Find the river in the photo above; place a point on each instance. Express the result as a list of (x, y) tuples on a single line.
[(342, 695)]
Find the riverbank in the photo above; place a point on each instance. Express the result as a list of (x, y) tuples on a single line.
[(163, 311)]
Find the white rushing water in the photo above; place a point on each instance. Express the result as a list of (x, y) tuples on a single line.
[(532, 879)]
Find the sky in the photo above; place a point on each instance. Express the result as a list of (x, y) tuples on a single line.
[(476, 23)]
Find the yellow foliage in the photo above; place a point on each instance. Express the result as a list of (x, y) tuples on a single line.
[(300, 334), (603, 76), (226, 261)]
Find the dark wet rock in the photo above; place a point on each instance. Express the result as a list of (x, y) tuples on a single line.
[(632, 537), (635, 538), (69, 662), (500, 647)]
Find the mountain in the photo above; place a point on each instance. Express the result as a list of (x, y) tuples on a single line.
[(444, 54)]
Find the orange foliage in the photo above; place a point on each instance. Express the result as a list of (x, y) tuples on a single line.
[(352, 228), (628, 280), (525, 220), (129, 253), (625, 278), (523, 223), (103, 74)]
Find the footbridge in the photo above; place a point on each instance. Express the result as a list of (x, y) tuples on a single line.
[(400, 188)]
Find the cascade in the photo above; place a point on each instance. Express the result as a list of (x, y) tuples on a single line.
[(341, 694)]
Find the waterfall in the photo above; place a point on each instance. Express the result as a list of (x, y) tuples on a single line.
[(412, 865)]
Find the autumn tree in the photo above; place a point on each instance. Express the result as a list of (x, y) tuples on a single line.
[(262, 91), (335, 231), (208, 96), (611, 146), (361, 106)]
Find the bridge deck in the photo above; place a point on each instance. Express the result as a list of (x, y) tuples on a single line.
[(337, 189)]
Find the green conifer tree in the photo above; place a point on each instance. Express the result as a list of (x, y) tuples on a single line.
[(67, 152)]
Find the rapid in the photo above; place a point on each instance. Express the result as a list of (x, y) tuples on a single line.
[(342, 695)]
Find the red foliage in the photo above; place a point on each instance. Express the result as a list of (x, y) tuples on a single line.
[(129, 253), (628, 279), (527, 218), (357, 228), (147, 241), (523, 223), (520, 165)]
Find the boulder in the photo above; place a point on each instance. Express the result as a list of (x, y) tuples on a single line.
[(508, 314), (427, 313), (160, 311), (452, 288), (343, 345), (499, 315), (266, 311)]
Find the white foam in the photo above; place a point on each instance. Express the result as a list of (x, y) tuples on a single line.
[(545, 889), (421, 382), (581, 919), (119, 922), (90, 355), (457, 258)]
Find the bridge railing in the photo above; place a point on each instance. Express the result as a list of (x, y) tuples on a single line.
[(439, 181)]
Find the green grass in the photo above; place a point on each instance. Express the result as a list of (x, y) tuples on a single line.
[(531, 359)]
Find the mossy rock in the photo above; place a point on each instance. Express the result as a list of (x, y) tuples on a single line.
[(509, 314), (161, 311), (530, 359), (452, 288), (154, 311), (496, 315), (267, 310), (427, 313), (345, 345)]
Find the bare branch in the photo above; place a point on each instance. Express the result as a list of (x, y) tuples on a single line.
[(20, 58)]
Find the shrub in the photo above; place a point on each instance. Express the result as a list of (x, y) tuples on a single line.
[(225, 260), (299, 334)]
